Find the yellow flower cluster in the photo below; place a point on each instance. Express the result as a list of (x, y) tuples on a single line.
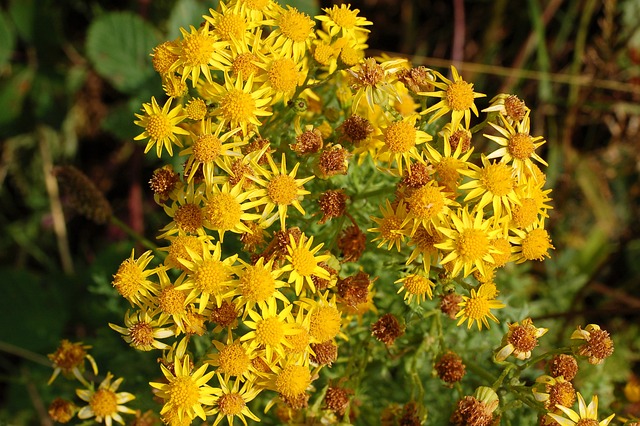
[(265, 104)]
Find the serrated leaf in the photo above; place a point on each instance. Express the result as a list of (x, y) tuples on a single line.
[(7, 40), (185, 13), (118, 45)]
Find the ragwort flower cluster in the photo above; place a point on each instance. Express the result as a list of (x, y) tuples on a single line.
[(269, 110)]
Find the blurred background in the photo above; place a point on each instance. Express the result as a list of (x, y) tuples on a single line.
[(73, 72)]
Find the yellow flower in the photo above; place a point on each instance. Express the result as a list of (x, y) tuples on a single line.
[(532, 243), (416, 285), (469, 242), (160, 126), (293, 35), (342, 20), (208, 150), (303, 264), (69, 359), (186, 391), (449, 165), (198, 52), (259, 284), (225, 209), (292, 380), (425, 240), (105, 403), (233, 359), (457, 96), (598, 344), (269, 329), (325, 319), (231, 401), (208, 276), (520, 340), (186, 212), (279, 190), (587, 416), (132, 279), (228, 24), (239, 105), (257, 10), (429, 205), (172, 301), (554, 391), (477, 307), (517, 146), (142, 332), (493, 183), (373, 81), (392, 226), (284, 75), (243, 58), (400, 140)]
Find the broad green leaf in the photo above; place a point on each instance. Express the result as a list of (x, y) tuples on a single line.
[(7, 40), (118, 45)]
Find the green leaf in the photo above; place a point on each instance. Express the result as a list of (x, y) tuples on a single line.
[(118, 45), (185, 13), (12, 95), (7, 40)]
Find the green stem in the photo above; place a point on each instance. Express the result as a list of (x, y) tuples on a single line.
[(503, 375), (135, 235), (24, 353), (533, 361), (369, 194)]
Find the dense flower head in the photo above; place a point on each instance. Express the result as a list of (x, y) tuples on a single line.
[(341, 179)]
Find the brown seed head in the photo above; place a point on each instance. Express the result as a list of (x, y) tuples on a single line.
[(354, 289), (256, 145), (598, 347), (515, 108), (460, 136), (356, 128), (449, 304), (564, 365), (471, 412), (240, 170), (333, 161), (332, 204), (321, 283), (523, 338), (297, 402), (308, 142), (325, 353), (419, 175), (417, 79), (61, 410), (450, 368), (337, 400), (352, 243), (254, 239), (225, 315), (387, 329), (370, 74), (82, 195), (560, 393)]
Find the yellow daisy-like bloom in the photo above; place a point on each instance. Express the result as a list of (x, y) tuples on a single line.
[(532, 243), (142, 332), (587, 414), (239, 105), (186, 212), (477, 307), (517, 145), (198, 52), (69, 359), (374, 82), (457, 96), (493, 183), (279, 190), (258, 285), (509, 107), (177, 248), (208, 150), (416, 285), (292, 380), (283, 76), (449, 165), (520, 340), (553, 391), (228, 24), (469, 242), (231, 401), (243, 58), (225, 209), (293, 36), (160, 126), (257, 10), (172, 302), (429, 205), (132, 278), (342, 20), (400, 140), (303, 264), (233, 359), (269, 329), (164, 57), (173, 86), (105, 403), (325, 319), (195, 109), (208, 277), (186, 391), (392, 227)]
